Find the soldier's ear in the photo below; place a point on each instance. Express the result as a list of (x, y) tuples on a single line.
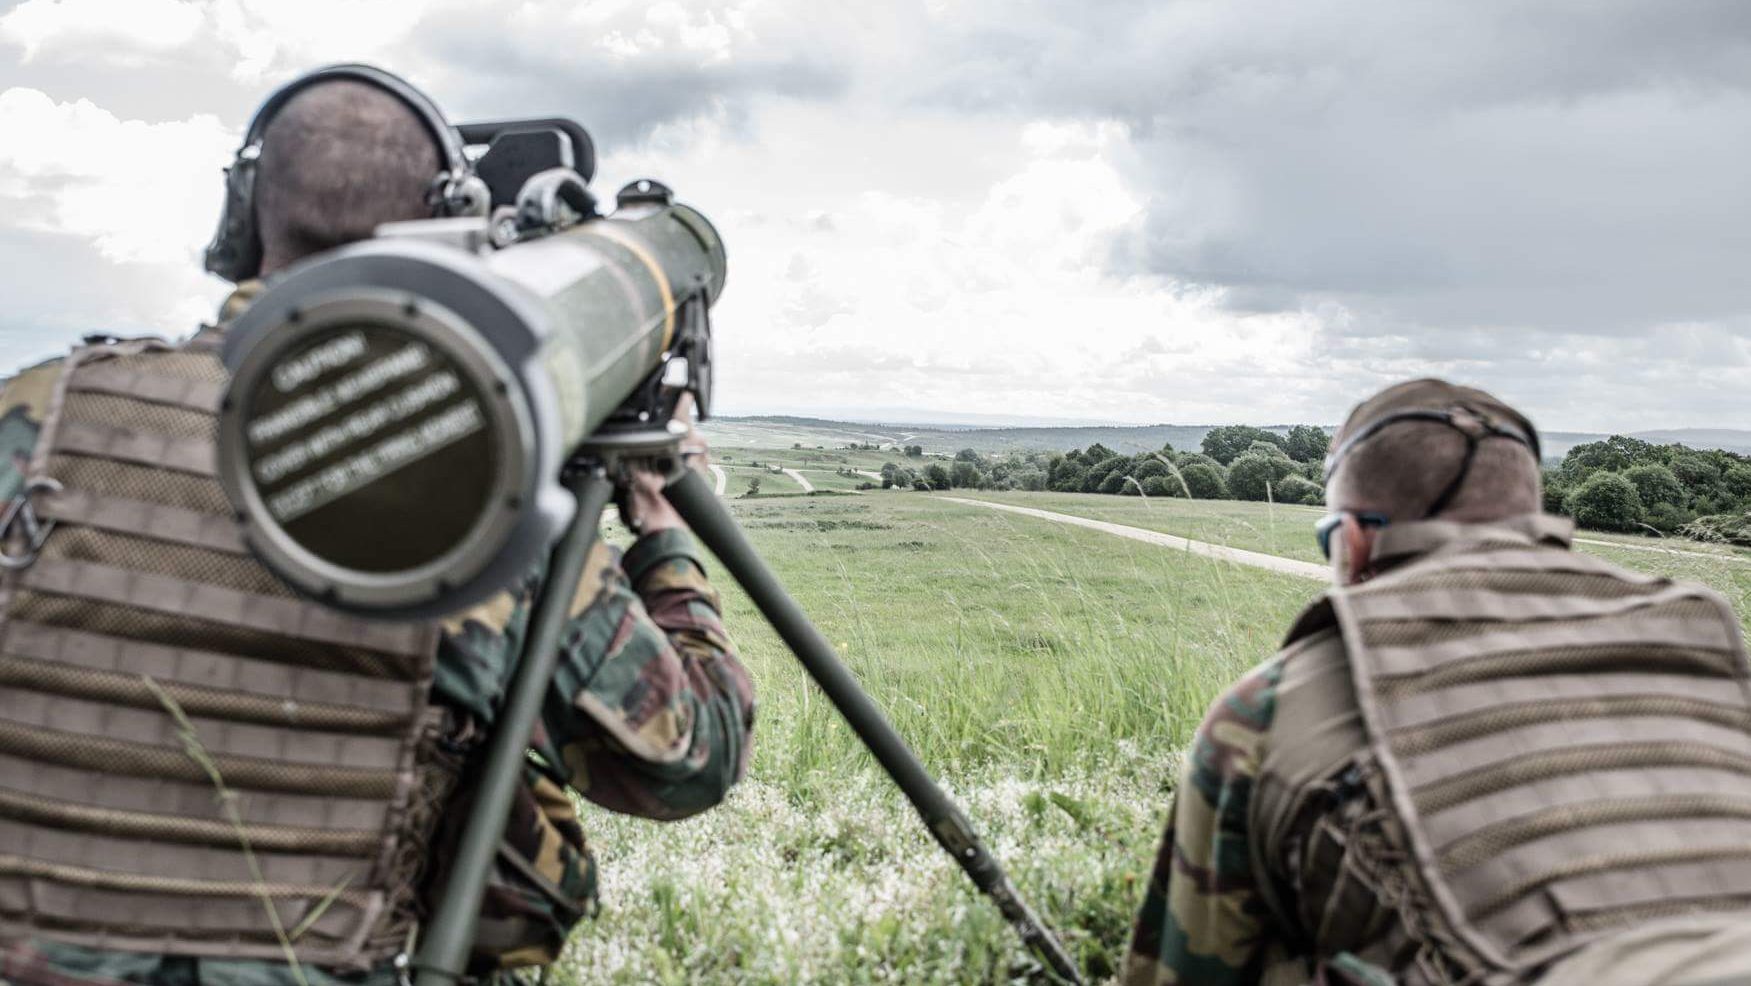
[(1358, 558)]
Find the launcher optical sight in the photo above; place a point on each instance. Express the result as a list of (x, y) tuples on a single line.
[(400, 409)]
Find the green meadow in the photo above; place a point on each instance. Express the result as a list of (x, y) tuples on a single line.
[(1048, 675)]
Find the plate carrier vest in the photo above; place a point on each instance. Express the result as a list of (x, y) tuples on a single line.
[(1562, 746), (181, 739)]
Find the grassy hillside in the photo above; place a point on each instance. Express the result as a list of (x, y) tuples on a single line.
[(1048, 674)]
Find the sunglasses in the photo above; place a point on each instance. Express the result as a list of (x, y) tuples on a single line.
[(1331, 522)]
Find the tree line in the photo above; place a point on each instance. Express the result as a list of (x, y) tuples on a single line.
[(1626, 484), (1618, 484), (1238, 462)]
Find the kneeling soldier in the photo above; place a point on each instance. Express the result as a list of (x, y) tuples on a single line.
[(1480, 758)]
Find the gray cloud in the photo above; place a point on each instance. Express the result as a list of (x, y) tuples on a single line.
[(1572, 166)]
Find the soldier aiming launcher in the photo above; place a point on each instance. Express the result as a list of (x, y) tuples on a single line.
[(414, 422)]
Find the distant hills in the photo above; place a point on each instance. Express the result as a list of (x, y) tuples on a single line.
[(782, 431)]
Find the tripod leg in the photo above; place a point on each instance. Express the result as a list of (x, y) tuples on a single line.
[(713, 525), (449, 936)]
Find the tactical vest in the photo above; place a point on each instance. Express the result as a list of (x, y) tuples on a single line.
[(1553, 749), (182, 741)]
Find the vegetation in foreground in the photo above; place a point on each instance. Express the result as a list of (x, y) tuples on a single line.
[(1047, 673)]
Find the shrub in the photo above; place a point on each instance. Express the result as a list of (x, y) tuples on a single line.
[(1114, 483), (1721, 528), (1255, 473), (1068, 477), (1668, 517), (1296, 489), (1205, 481), (1162, 486), (1606, 501), (937, 476), (966, 475), (921, 486)]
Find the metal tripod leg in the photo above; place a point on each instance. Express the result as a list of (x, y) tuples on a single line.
[(712, 524), (449, 936)]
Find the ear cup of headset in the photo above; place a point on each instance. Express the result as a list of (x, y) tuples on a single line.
[(235, 252)]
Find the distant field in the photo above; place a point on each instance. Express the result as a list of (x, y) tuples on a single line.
[(1049, 674), (1288, 531)]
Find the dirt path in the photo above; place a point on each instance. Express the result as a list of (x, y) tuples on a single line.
[(1287, 566), (723, 478), (872, 475), (807, 486), (1717, 556)]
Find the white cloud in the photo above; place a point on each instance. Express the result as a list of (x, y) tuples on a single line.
[(1209, 210), (125, 28), (144, 195)]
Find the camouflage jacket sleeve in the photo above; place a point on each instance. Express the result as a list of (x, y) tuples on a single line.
[(651, 711), (1203, 918)]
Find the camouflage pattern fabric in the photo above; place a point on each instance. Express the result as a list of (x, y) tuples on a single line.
[(1203, 919), (651, 714)]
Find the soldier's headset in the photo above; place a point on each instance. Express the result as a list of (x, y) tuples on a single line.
[(235, 253), (1476, 425)]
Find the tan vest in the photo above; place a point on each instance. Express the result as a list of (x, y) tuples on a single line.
[(181, 740), (1501, 751)]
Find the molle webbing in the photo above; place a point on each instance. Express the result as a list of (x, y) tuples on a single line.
[(180, 737), (1567, 744)]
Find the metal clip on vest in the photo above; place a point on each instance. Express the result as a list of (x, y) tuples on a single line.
[(20, 518)]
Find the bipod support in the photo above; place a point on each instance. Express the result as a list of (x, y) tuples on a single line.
[(448, 938), (713, 525)]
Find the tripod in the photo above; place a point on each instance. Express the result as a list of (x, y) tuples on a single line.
[(591, 476)]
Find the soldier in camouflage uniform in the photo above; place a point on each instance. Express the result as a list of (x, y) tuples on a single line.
[(650, 714), (1481, 758)]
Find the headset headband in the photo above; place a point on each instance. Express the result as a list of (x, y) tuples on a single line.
[(235, 252), (448, 141)]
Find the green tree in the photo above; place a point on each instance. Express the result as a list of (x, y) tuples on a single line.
[(1205, 480), (937, 476), (914, 451), (1256, 472), (1737, 480), (1605, 501), (1225, 443), (1162, 486), (1067, 477), (1305, 443), (753, 487), (966, 475), (1115, 482), (1146, 465), (1656, 484), (969, 455), (1556, 492), (1298, 489), (890, 475), (1700, 476), (1101, 471)]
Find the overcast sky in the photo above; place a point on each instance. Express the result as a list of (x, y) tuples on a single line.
[(1126, 210)]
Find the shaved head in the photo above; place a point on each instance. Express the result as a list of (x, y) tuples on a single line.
[(337, 161), (1403, 469)]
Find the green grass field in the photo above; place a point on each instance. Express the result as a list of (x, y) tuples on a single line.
[(1049, 675)]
